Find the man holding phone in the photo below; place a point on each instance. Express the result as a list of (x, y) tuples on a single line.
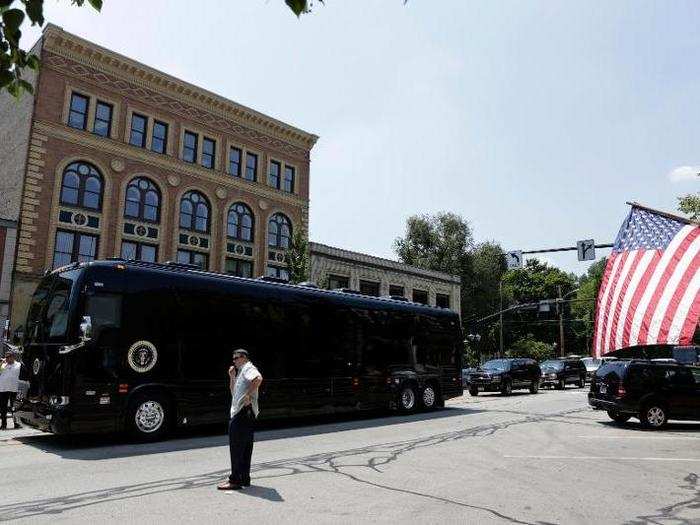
[(244, 382)]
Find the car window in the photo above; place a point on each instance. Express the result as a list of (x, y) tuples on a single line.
[(696, 375), (679, 376)]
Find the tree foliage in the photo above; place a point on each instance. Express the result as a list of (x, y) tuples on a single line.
[(297, 258), (444, 242), (690, 205), (528, 346), (583, 308), (13, 59), (441, 243), (536, 281)]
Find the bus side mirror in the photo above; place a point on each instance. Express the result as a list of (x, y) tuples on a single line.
[(86, 329)]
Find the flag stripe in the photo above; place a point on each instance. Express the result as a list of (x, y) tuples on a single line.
[(676, 305), (607, 296), (632, 291), (643, 305), (639, 292), (693, 318), (614, 309), (666, 285), (602, 297)]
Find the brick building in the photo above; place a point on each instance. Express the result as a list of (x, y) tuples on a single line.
[(338, 268), (113, 158)]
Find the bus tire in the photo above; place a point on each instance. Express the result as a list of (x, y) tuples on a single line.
[(148, 417), (429, 397), (407, 398)]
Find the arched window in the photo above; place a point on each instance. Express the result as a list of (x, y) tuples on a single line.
[(240, 222), (142, 200), (279, 231), (194, 212), (82, 186)]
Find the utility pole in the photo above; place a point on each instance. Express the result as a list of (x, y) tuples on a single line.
[(500, 324), (560, 303)]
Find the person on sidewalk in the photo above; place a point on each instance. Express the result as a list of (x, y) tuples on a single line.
[(244, 381), (9, 383)]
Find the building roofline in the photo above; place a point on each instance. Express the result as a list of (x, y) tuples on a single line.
[(56, 39), (341, 253)]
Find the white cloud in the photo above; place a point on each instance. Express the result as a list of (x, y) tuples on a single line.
[(683, 173)]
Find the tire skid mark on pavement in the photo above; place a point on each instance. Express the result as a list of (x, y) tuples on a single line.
[(670, 513), (330, 462)]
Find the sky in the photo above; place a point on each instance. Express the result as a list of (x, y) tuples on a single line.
[(534, 120)]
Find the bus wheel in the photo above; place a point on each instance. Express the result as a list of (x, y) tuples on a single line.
[(407, 399), (148, 417), (429, 397)]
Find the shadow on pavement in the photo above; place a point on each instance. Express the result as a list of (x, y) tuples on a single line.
[(671, 426), (98, 447)]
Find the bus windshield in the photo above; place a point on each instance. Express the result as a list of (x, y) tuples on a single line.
[(47, 320)]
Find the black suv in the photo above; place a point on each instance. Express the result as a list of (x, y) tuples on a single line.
[(652, 391), (560, 372), (505, 375)]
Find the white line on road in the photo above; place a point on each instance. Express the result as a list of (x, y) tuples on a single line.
[(637, 437), (608, 458)]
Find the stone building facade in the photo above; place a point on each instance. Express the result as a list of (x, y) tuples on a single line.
[(113, 158), (338, 268), (8, 236)]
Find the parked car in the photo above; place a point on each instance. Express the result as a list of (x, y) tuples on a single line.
[(466, 372), (558, 373), (653, 392), (591, 364), (505, 375)]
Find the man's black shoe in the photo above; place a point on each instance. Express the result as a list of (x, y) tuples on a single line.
[(229, 486)]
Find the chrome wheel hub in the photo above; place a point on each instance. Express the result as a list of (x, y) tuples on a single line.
[(408, 399), (149, 416), (655, 416), (428, 397)]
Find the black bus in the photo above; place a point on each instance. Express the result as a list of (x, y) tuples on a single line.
[(121, 345)]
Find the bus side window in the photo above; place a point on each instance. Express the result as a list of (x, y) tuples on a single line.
[(105, 311)]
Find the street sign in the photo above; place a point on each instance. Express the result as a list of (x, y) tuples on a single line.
[(514, 259), (586, 250)]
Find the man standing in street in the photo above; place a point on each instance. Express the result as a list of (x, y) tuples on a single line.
[(9, 382), (244, 381)]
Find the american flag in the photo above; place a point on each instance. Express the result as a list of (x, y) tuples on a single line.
[(650, 292)]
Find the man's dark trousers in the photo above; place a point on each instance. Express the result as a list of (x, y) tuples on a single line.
[(240, 440), (4, 406)]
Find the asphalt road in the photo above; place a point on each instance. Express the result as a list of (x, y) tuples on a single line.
[(544, 458)]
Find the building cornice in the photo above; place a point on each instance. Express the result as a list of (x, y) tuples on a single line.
[(68, 45), (170, 164), (379, 262)]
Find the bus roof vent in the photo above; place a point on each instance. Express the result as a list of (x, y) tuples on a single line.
[(175, 264), (398, 298), (309, 284), (272, 279)]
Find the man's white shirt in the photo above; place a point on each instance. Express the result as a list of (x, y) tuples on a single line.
[(245, 377), (9, 376)]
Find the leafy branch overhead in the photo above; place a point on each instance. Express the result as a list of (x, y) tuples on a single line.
[(13, 59)]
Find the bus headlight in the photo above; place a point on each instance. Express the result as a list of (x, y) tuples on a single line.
[(59, 400)]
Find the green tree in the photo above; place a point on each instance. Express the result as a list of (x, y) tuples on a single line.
[(297, 258), (444, 242), (583, 307), (528, 346), (536, 281), (13, 59), (441, 242), (690, 205)]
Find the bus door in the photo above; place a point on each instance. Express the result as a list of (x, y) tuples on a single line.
[(96, 368)]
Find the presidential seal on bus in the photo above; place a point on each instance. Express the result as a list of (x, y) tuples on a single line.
[(142, 356)]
